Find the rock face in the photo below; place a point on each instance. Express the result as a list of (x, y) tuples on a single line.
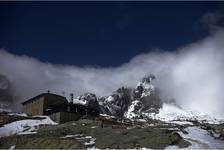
[(130, 103), (89, 99), (117, 103), (145, 99), (89, 134)]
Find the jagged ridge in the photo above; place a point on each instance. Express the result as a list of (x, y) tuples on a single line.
[(125, 101)]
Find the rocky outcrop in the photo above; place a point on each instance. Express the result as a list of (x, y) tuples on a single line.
[(90, 100), (145, 99), (215, 130), (117, 103), (132, 102)]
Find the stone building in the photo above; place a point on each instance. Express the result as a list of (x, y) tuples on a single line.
[(58, 108)]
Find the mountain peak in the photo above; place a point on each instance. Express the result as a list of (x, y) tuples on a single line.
[(144, 87), (147, 79)]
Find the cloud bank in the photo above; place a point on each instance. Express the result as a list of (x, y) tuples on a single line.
[(193, 75)]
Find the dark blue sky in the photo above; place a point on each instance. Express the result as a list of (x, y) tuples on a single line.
[(99, 33)]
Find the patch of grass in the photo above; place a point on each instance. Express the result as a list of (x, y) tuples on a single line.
[(32, 142)]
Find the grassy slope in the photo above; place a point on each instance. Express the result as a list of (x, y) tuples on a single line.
[(34, 142), (110, 136)]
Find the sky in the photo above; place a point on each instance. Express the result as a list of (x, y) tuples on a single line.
[(98, 47), (101, 34)]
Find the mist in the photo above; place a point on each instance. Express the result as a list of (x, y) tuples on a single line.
[(192, 75)]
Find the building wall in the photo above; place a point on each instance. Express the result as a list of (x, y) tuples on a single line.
[(34, 107), (50, 100), (55, 117), (62, 117), (38, 105), (57, 108)]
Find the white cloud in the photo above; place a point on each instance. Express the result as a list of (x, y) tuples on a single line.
[(192, 75)]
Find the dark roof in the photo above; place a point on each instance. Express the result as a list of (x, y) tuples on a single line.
[(41, 95)]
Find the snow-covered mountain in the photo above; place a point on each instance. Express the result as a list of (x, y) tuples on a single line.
[(145, 99), (141, 102), (126, 102)]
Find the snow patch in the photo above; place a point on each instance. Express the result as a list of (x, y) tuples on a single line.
[(182, 122), (17, 114), (144, 148), (201, 139), (91, 142), (12, 147), (141, 120), (109, 99), (93, 148), (28, 126)]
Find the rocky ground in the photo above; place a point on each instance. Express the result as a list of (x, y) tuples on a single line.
[(87, 133), (106, 132), (215, 130)]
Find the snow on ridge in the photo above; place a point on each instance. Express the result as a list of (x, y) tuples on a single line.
[(148, 88), (109, 99), (78, 101), (170, 112), (130, 113), (27, 126)]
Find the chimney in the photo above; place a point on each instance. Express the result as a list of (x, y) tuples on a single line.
[(71, 98)]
